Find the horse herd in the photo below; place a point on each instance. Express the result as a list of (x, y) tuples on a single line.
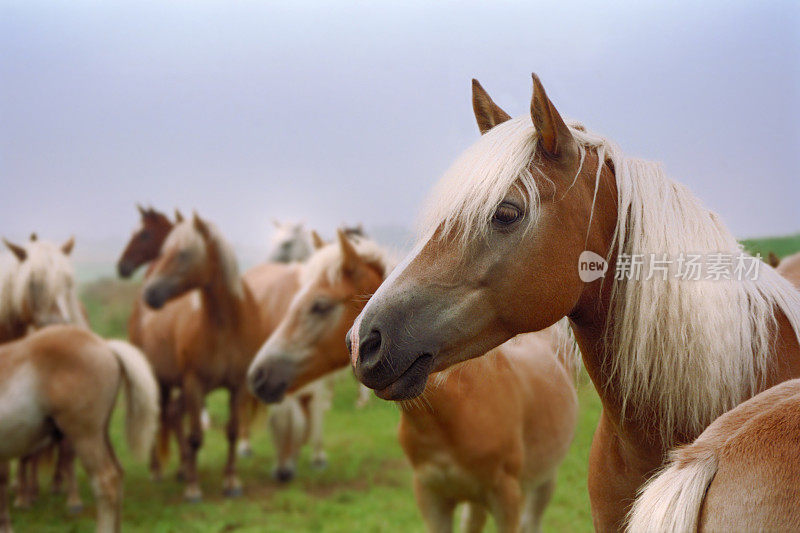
[(477, 334)]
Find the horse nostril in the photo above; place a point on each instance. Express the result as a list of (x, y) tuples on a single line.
[(257, 377), (370, 346)]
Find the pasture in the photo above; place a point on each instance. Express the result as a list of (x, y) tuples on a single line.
[(366, 486)]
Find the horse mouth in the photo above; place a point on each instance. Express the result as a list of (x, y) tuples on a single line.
[(410, 383)]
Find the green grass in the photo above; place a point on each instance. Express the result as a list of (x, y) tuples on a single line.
[(366, 487), (781, 246)]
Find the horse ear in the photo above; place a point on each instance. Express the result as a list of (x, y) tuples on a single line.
[(34, 237), (68, 246), (275, 222), (554, 135), (316, 240), (16, 249), (350, 258), (487, 113), (178, 216), (200, 225), (773, 260)]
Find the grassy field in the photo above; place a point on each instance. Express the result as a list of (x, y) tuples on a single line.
[(366, 487)]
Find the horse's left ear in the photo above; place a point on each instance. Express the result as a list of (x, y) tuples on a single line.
[(16, 249), (68, 246), (178, 216), (350, 258), (34, 237), (487, 113), (554, 135), (316, 240)]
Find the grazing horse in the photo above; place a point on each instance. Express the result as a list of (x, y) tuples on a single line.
[(492, 432), (535, 222), (203, 342), (740, 474), (62, 382)]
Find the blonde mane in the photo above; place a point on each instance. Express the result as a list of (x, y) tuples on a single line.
[(689, 350), (326, 262), (185, 236)]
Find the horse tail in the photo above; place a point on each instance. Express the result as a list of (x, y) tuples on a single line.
[(141, 391), (670, 501)]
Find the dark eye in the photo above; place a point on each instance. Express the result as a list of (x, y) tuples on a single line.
[(506, 214), (145, 235), (321, 307)]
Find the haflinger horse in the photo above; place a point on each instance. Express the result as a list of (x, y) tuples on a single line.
[(741, 474), (499, 255), (202, 342), (62, 382), (490, 431), (789, 268), (37, 289), (289, 242)]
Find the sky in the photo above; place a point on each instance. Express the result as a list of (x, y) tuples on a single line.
[(334, 112)]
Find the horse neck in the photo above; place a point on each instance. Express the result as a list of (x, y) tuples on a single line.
[(225, 301)]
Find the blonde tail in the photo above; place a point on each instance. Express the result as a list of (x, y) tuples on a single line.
[(670, 501), (141, 391)]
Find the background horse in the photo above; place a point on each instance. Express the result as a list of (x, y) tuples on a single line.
[(499, 255), (789, 268), (38, 289), (741, 474), (289, 242), (209, 339), (64, 380)]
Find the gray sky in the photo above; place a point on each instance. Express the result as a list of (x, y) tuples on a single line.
[(333, 112)]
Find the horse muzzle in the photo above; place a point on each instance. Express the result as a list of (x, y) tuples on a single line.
[(269, 381)]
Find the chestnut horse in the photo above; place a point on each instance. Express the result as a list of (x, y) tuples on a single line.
[(492, 432), (202, 342), (506, 245), (741, 474), (62, 382)]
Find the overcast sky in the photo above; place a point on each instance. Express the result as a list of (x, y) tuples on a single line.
[(334, 112)]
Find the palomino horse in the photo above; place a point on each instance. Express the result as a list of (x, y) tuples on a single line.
[(38, 289), (492, 432), (203, 342), (789, 268), (740, 474), (502, 252), (289, 243), (63, 381)]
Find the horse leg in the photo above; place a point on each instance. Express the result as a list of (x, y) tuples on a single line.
[(231, 485), (437, 511), (97, 457), (161, 447), (22, 500), (5, 516), (65, 470), (247, 413), (178, 426), (286, 422), (364, 395), (473, 518), (193, 404), (316, 418), (505, 503), (535, 503)]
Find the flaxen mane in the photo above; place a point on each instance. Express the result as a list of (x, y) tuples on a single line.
[(691, 350)]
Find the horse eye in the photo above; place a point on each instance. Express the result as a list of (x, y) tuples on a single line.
[(321, 307), (506, 214)]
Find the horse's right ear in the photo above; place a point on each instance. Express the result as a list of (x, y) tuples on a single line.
[(773, 260), (487, 113), (141, 210), (178, 216), (554, 135), (200, 225), (17, 250), (350, 258), (316, 240)]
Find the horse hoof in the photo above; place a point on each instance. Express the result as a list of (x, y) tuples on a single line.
[(193, 498), (75, 508), (245, 452), (320, 463), (232, 492), (283, 475)]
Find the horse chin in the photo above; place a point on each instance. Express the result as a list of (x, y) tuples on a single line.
[(410, 383)]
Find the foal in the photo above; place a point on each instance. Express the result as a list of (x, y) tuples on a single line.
[(491, 432), (206, 341), (741, 474), (63, 381)]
